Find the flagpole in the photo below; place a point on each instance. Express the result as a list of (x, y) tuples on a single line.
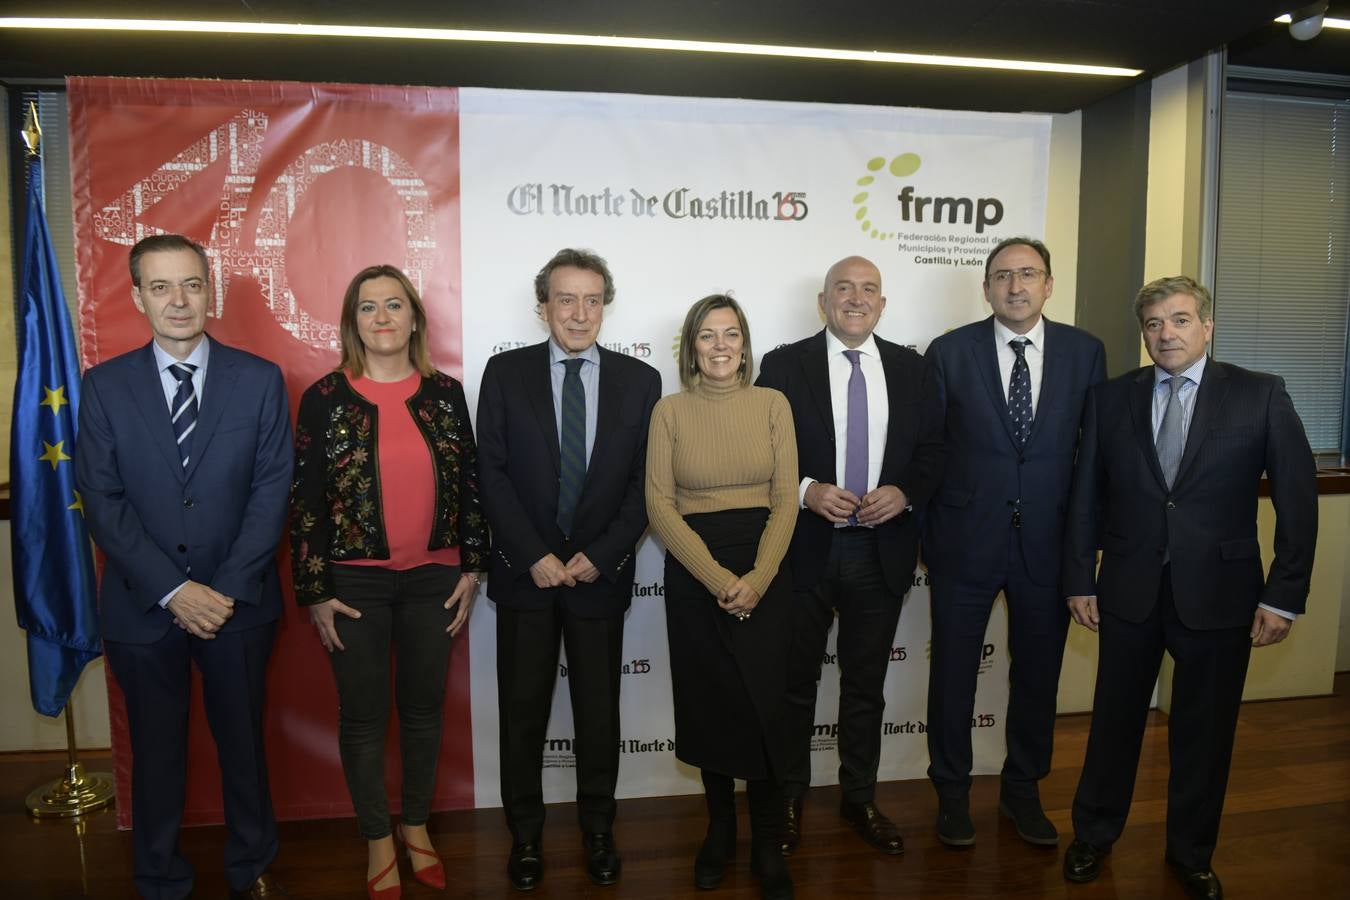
[(77, 792)]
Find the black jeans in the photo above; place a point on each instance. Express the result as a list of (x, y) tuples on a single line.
[(402, 611)]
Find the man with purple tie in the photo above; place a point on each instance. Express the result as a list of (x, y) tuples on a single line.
[(869, 453)]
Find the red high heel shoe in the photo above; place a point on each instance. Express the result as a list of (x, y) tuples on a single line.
[(394, 892), (433, 876)]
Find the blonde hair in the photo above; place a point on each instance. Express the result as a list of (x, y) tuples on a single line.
[(688, 360)]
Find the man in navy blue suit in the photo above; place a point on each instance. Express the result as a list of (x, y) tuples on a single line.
[(1012, 389), (184, 467)]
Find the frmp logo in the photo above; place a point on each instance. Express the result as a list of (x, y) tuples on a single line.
[(915, 208), (986, 655)]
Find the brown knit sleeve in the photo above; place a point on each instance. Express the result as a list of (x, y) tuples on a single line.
[(773, 543), (662, 513)]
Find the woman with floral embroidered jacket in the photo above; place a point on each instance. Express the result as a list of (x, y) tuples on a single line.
[(388, 544)]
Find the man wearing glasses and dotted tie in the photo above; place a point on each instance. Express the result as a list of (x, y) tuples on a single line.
[(1012, 389)]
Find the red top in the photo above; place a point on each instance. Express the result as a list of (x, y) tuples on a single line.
[(407, 479)]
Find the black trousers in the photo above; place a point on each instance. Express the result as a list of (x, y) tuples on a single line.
[(1038, 623), (403, 616), (156, 682), (527, 667), (1210, 670), (854, 585)]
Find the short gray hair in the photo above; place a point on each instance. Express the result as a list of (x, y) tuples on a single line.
[(1160, 289)]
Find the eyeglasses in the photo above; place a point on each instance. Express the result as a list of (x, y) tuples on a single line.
[(1025, 274)]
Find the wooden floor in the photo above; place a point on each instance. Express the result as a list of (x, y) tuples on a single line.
[(1286, 834)]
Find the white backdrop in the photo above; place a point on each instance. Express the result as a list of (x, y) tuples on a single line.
[(686, 197)]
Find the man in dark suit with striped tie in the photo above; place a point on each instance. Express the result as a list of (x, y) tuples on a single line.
[(562, 452), (184, 467)]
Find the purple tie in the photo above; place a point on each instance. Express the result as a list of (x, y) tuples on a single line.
[(855, 453)]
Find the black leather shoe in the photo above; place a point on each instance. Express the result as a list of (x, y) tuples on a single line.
[(602, 858), (265, 888), (1030, 821), (768, 865), (954, 827), (874, 827), (525, 866), (792, 824), (1083, 862), (719, 848), (1201, 884)]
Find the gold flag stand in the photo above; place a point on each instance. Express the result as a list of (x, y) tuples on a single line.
[(79, 792)]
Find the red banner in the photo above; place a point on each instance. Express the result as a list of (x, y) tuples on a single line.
[(292, 188)]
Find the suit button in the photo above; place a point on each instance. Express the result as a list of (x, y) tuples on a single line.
[(1171, 505), (187, 504), (182, 548)]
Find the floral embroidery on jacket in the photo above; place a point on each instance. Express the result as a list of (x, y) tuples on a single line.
[(336, 511)]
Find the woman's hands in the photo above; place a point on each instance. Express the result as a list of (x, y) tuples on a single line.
[(323, 616), (463, 595), (738, 598)]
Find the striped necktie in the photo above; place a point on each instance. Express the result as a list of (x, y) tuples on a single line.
[(572, 444), (184, 409)]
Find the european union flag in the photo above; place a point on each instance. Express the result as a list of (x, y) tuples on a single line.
[(53, 562)]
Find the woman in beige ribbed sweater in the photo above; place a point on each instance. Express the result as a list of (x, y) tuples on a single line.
[(722, 495)]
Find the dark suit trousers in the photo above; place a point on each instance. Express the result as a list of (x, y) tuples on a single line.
[(156, 681), (527, 667), (1211, 668), (854, 585), (1038, 621)]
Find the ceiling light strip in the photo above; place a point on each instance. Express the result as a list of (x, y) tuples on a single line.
[(1343, 24), (570, 40)]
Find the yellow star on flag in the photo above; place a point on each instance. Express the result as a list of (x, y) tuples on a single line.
[(78, 505), (55, 399), (54, 454)]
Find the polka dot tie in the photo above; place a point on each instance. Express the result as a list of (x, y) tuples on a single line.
[(1019, 392)]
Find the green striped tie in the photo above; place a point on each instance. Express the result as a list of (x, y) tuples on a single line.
[(572, 443)]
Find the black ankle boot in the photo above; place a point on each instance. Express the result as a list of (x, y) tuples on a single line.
[(766, 827), (719, 844)]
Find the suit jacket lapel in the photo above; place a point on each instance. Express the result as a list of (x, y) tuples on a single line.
[(539, 387), (221, 375), (1141, 411), (1213, 390), (148, 394), (1054, 359), (986, 360), (816, 366), (895, 390), (607, 411)]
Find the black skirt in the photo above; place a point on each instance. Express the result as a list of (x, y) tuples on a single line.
[(729, 677)]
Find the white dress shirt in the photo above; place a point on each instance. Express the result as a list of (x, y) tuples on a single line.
[(198, 357), (878, 408), (1035, 354)]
